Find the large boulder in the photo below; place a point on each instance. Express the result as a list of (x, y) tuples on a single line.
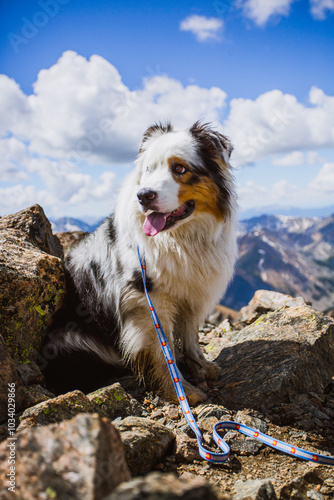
[(282, 353), (82, 458), (32, 280)]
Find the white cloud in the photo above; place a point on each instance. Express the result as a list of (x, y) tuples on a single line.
[(261, 11), (13, 104), (296, 158), (313, 157), (324, 181), (283, 191), (81, 109), (204, 28), (289, 160), (13, 154), (320, 8), (17, 197), (276, 123)]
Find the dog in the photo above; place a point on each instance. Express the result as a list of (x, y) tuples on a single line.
[(179, 206)]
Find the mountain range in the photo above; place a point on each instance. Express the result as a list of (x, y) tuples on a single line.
[(284, 253), (67, 224), (293, 255)]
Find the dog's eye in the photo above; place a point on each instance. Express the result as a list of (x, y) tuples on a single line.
[(179, 169)]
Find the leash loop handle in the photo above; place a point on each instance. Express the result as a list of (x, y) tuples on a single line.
[(208, 455)]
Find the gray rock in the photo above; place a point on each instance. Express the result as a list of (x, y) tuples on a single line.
[(265, 301), (146, 442), (299, 487), (82, 458), (211, 410), (158, 486), (70, 239), (254, 489), (112, 402), (186, 448), (34, 227), (37, 394), (242, 445), (30, 374), (254, 422), (286, 352), (54, 410)]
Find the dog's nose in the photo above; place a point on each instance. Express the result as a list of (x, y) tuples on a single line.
[(146, 197)]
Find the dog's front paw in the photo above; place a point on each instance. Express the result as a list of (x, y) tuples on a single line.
[(204, 370), (194, 394), (212, 370)]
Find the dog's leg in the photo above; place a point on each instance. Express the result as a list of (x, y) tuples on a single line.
[(142, 349), (161, 374), (200, 367)]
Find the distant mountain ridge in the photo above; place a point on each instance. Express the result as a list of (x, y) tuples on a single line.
[(287, 211), (67, 224), (293, 255)]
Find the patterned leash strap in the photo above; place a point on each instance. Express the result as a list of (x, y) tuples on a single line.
[(244, 429)]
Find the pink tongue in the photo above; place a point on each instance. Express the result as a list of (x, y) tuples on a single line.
[(154, 223)]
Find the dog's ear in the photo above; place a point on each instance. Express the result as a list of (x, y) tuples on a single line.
[(153, 130), (212, 140)]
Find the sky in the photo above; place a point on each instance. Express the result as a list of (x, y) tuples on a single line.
[(80, 81)]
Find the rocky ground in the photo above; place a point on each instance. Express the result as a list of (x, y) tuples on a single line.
[(124, 441)]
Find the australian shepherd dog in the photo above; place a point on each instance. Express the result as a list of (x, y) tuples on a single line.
[(179, 206)]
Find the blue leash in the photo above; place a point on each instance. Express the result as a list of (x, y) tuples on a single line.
[(244, 429)]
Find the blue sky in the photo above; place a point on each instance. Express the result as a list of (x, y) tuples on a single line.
[(81, 81)]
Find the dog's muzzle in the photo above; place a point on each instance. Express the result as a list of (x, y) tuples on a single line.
[(146, 197)]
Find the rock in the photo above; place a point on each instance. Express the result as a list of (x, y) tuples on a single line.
[(30, 374), (37, 394), (54, 410), (158, 486), (9, 375), (210, 410), (265, 301), (172, 413), (35, 228), (145, 442), (186, 448), (82, 458), (242, 445), (112, 402), (206, 426), (254, 422), (71, 239), (32, 281), (254, 489), (300, 487), (286, 352)]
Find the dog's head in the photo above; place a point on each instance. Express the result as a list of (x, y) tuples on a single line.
[(183, 174)]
